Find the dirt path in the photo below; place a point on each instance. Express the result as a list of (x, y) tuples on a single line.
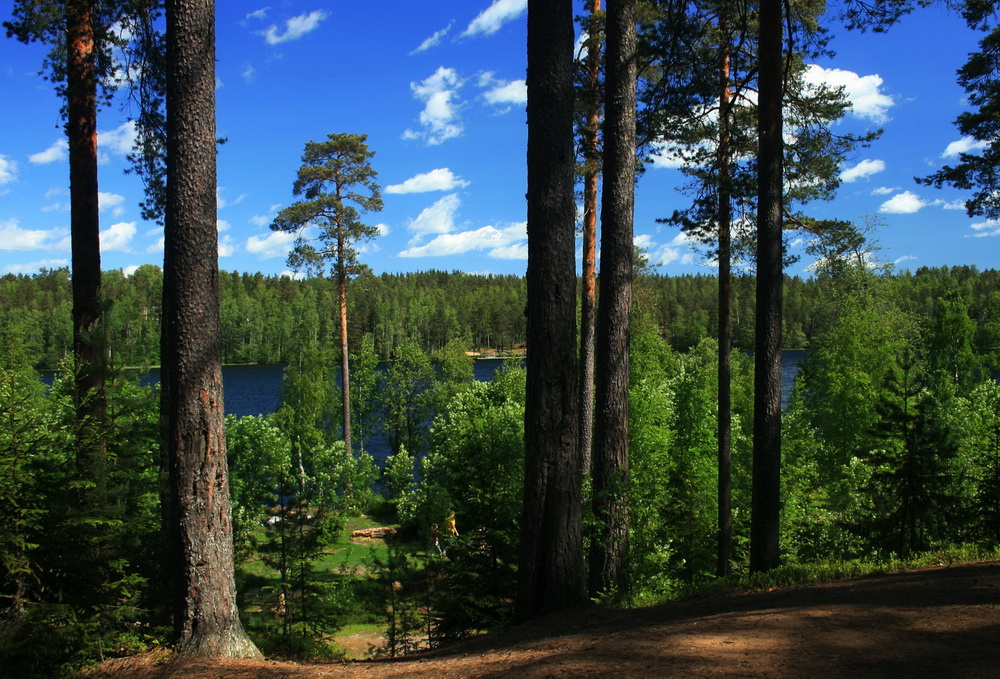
[(941, 622)]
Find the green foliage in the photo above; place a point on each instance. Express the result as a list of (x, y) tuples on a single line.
[(338, 185), (407, 397)]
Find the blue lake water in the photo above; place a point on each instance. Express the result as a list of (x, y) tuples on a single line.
[(256, 389)]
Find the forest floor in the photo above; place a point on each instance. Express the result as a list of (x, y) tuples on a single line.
[(934, 622)]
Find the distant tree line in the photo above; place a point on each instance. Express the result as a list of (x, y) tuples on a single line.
[(261, 314)]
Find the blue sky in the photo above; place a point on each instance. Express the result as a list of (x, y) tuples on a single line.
[(439, 91)]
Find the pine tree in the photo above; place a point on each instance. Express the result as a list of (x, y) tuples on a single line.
[(338, 185)]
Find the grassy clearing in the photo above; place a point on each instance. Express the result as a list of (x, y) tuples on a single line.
[(792, 575)]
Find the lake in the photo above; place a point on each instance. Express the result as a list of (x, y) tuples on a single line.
[(254, 389)]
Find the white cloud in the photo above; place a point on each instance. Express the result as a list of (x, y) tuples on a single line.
[(257, 14), (904, 258), (493, 17), (113, 202), (866, 168), (677, 251), (905, 203), (157, 245), (884, 190), (438, 218), (957, 204), (223, 203), (13, 237), (963, 145), (117, 237), (383, 229), (52, 154), (512, 93), (295, 28), (863, 92), (441, 179), (249, 73), (118, 141), (226, 246), (8, 170), (434, 40), (275, 244), (440, 115), (991, 227), (265, 220), (129, 270), (499, 243), (32, 267)]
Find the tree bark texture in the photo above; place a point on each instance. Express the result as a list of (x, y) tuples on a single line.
[(551, 560), (588, 296), (206, 619), (609, 548), (724, 564), (766, 499), (85, 238)]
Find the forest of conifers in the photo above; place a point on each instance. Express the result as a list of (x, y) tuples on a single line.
[(891, 448), (260, 313)]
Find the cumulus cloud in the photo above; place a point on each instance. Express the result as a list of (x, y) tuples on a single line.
[(864, 92), (991, 227), (129, 270), (499, 243), (52, 154), (265, 220), (439, 119), (493, 17), (438, 218), (111, 202), (864, 169), (434, 40), (677, 251), (963, 145), (117, 237), (275, 244), (157, 244), (118, 141), (513, 93), (8, 170), (441, 179), (905, 203), (32, 267), (295, 28), (884, 190), (13, 237)]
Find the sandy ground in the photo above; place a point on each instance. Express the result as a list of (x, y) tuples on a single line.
[(940, 622)]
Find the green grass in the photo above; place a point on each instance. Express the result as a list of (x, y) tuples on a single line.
[(797, 574)]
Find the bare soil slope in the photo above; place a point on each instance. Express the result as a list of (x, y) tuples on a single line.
[(938, 622)]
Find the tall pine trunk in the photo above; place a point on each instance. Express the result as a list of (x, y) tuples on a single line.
[(766, 500), (81, 131), (551, 561), (345, 377), (588, 296), (609, 548), (724, 564), (206, 619)]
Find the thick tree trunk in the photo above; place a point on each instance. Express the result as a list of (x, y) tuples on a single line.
[(609, 548), (766, 501), (206, 619), (85, 228), (588, 296), (551, 561), (724, 564)]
